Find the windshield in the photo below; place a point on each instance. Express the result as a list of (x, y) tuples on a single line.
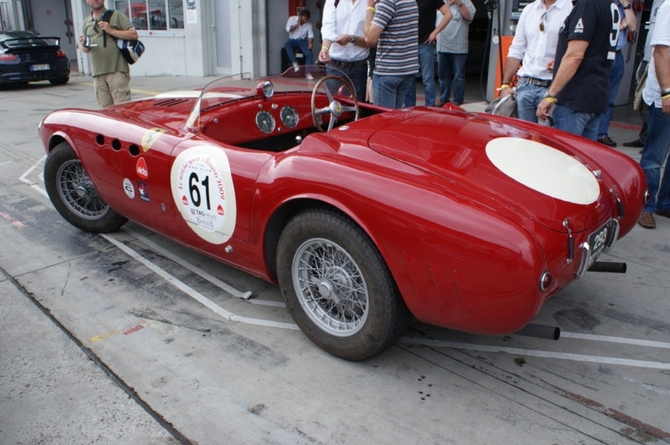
[(240, 87)]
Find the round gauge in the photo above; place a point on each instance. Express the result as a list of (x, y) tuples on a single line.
[(265, 122), (289, 116)]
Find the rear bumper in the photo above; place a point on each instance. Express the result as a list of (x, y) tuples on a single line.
[(32, 77)]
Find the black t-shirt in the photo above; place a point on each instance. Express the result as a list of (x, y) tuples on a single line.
[(597, 22), (427, 17)]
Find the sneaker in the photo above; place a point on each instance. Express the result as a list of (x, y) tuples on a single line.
[(665, 213), (309, 77), (637, 143), (296, 67), (647, 220), (607, 141)]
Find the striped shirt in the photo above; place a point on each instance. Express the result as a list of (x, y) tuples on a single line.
[(398, 43)]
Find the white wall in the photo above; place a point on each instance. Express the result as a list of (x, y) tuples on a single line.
[(49, 20)]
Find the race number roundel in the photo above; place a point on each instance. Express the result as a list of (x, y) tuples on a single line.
[(203, 191), (544, 169)]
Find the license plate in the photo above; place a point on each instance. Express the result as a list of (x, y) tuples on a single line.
[(599, 240), (40, 67)]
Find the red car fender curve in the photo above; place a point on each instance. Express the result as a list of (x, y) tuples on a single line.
[(453, 271)]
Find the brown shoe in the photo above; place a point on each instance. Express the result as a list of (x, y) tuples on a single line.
[(665, 213), (647, 221)]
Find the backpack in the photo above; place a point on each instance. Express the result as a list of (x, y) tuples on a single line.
[(131, 50)]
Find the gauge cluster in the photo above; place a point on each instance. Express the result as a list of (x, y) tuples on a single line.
[(266, 122)]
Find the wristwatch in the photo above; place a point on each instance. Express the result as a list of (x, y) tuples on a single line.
[(628, 6)]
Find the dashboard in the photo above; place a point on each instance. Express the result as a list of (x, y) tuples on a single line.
[(250, 120)]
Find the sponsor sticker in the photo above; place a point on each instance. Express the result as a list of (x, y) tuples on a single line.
[(129, 188), (203, 191), (143, 191), (141, 168)]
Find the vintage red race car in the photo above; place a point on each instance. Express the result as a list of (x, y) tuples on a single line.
[(364, 216)]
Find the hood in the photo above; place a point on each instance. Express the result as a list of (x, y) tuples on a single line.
[(501, 164)]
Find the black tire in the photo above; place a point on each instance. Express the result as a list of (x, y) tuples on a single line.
[(345, 300), (73, 194), (60, 81)]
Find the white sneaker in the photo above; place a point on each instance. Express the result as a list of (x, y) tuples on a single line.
[(309, 77), (296, 67)]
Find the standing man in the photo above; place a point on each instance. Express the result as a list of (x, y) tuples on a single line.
[(344, 47), (393, 26), (427, 38), (111, 73), (300, 37), (452, 51), (656, 95), (641, 78), (579, 91), (534, 48), (628, 23)]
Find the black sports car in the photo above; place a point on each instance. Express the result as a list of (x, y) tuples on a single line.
[(26, 57)]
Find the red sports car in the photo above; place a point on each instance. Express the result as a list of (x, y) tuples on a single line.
[(364, 216)]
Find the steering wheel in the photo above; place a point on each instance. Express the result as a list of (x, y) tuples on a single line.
[(334, 107)]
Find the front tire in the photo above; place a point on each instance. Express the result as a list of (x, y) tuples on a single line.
[(337, 286), (73, 194)]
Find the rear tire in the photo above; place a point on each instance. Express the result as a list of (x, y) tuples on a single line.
[(60, 81), (337, 286), (73, 194)]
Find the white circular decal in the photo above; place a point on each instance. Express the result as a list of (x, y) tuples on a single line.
[(203, 191), (129, 188), (544, 169)]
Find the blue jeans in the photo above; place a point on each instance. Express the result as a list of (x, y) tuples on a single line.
[(615, 80), (451, 72), (427, 67), (391, 91), (358, 76), (528, 97), (654, 154), (300, 44), (581, 124)]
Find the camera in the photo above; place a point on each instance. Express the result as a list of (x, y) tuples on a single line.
[(87, 42)]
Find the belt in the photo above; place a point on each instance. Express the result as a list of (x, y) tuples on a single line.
[(537, 82), (347, 65)]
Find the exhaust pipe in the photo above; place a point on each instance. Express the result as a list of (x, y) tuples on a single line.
[(607, 266), (540, 331)]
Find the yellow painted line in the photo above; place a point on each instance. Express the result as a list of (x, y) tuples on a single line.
[(149, 93), (101, 337)]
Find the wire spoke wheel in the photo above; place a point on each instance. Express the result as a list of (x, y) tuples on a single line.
[(77, 191), (337, 286), (330, 287), (74, 195)]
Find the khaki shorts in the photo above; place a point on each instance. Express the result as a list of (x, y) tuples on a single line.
[(113, 88)]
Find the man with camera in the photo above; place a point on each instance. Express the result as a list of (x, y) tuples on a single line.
[(111, 73)]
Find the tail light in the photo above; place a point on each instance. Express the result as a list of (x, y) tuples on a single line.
[(61, 53), (8, 57)]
